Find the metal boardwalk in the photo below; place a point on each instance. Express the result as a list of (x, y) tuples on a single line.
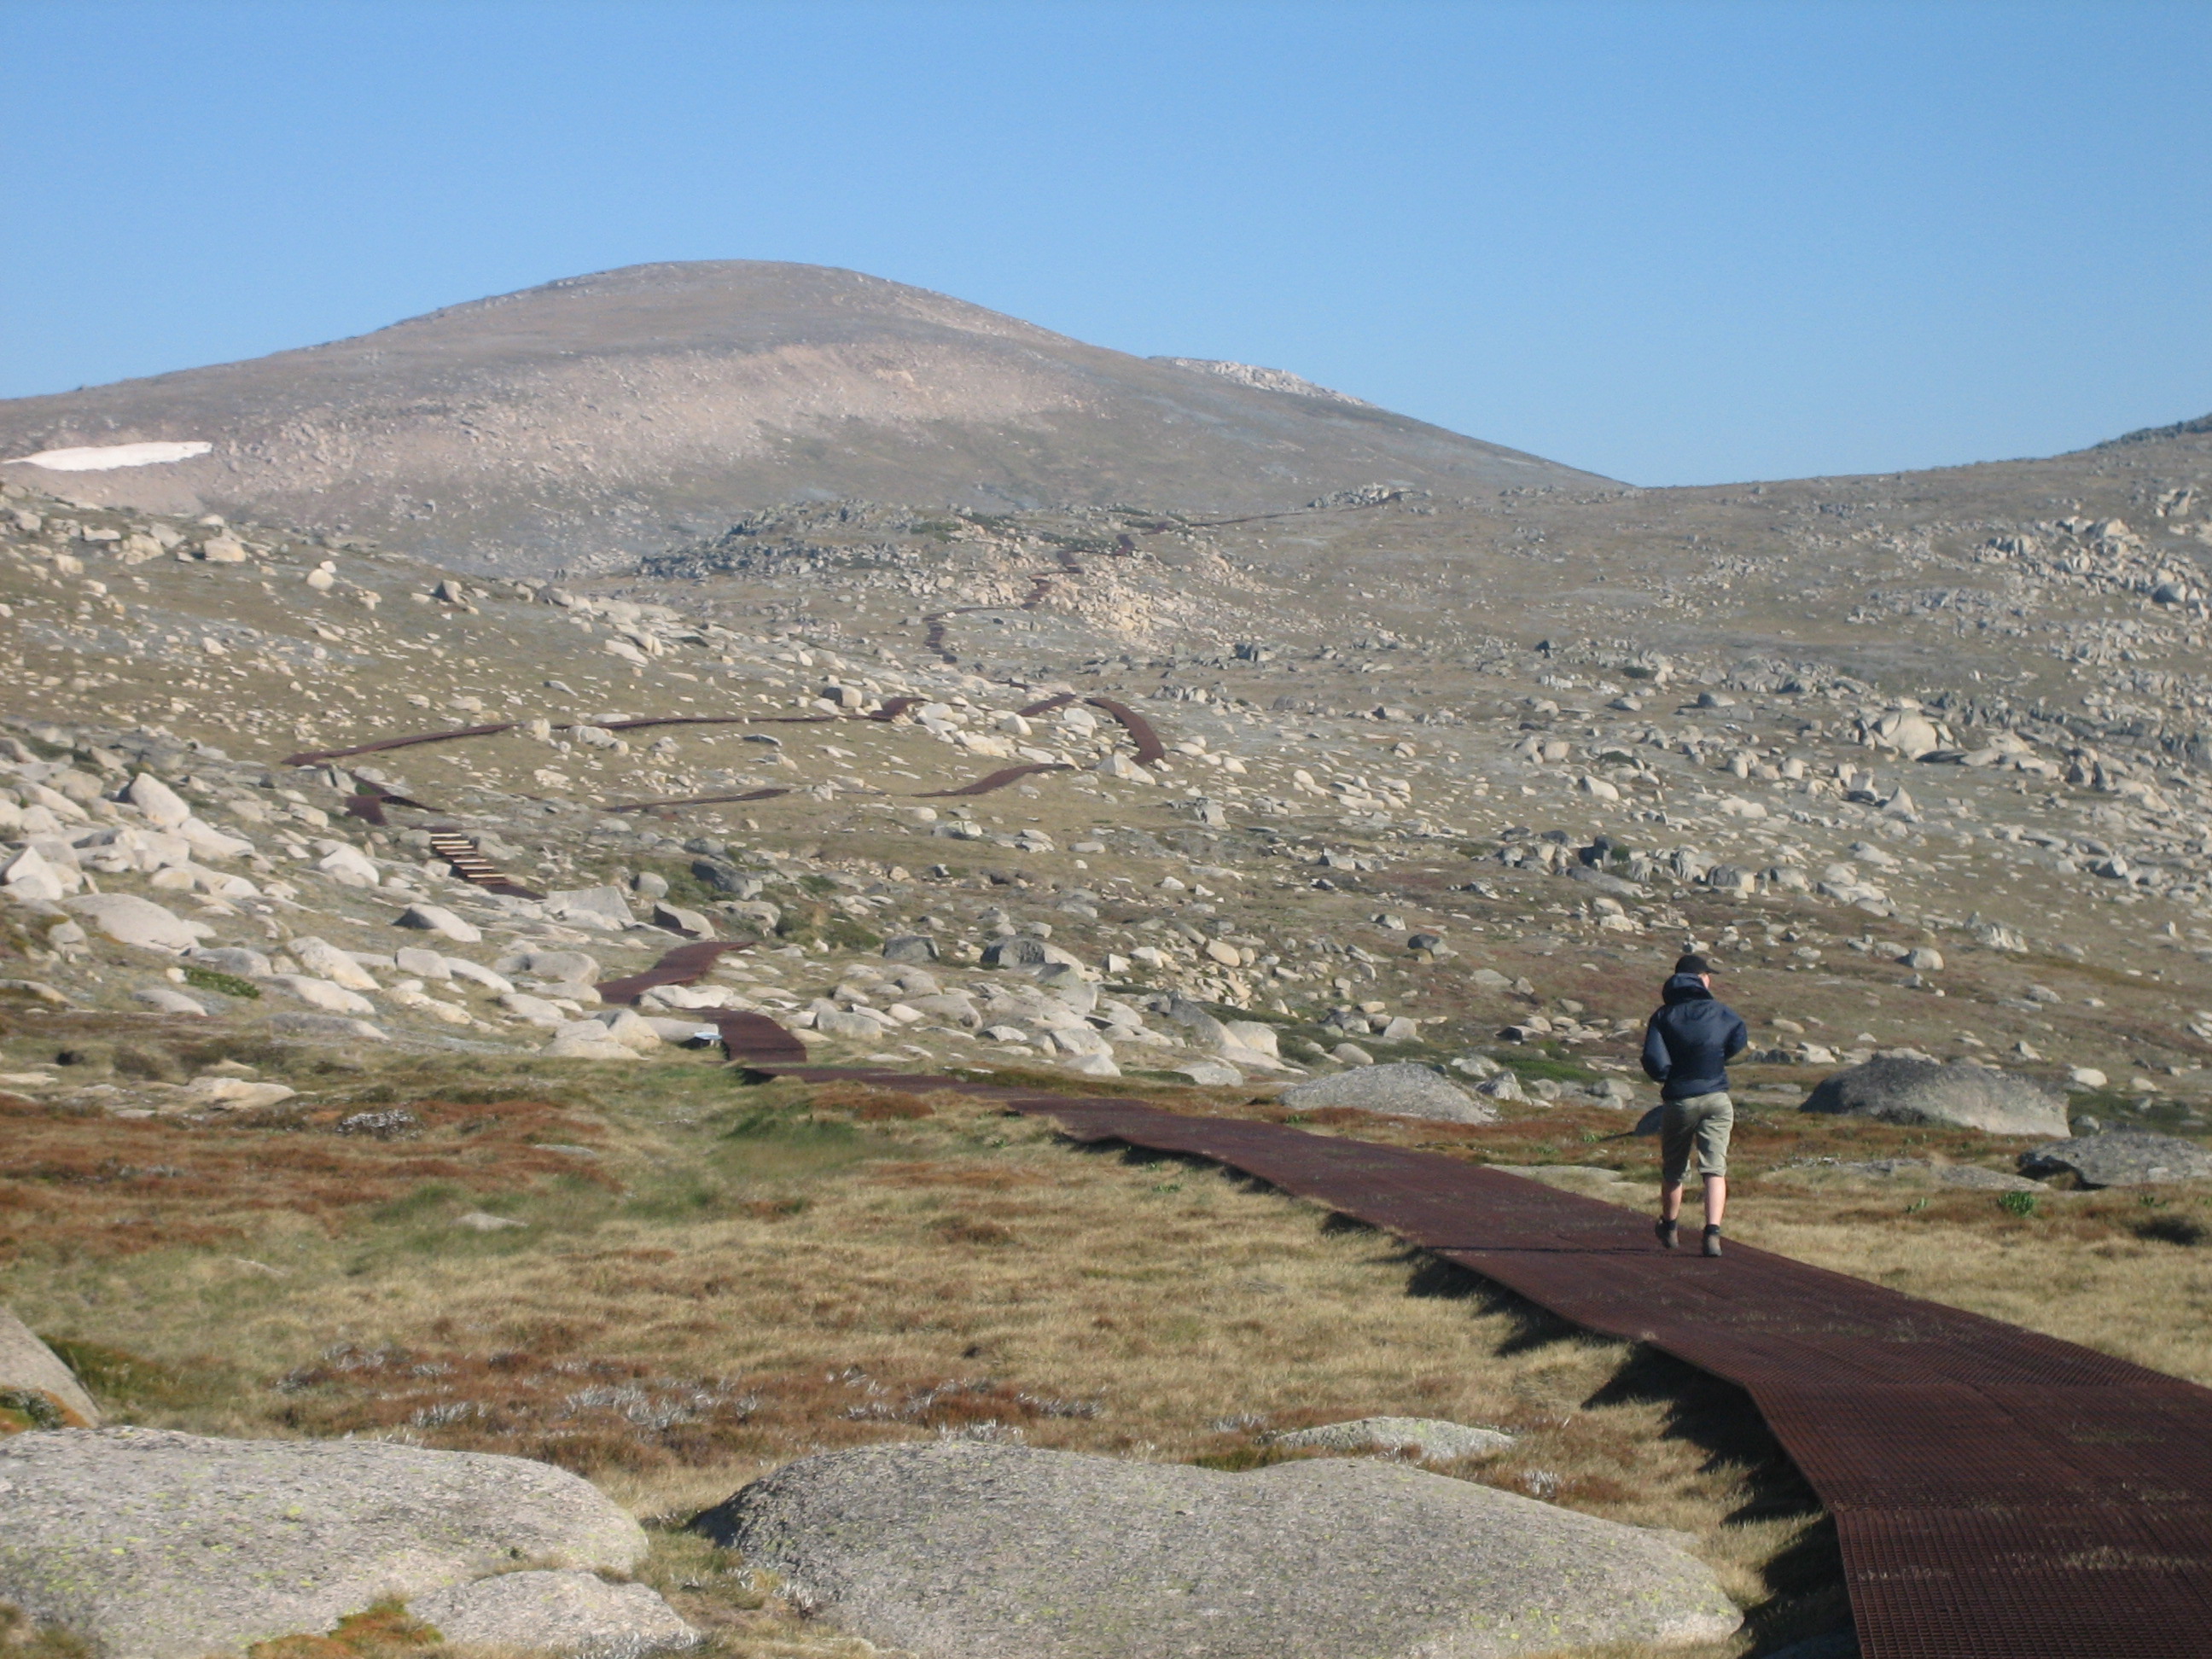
[(1997, 1494)]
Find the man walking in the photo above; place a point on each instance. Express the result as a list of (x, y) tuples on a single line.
[(1686, 1047)]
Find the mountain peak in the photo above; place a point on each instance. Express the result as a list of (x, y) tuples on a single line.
[(583, 418)]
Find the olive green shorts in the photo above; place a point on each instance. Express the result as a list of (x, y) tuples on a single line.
[(1698, 1123)]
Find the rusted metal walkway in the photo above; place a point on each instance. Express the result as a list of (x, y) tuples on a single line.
[(1997, 1494)]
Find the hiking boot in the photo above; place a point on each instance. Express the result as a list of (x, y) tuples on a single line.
[(1713, 1240), (1667, 1233)]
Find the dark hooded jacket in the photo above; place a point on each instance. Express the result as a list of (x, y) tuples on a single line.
[(1689, 1041)]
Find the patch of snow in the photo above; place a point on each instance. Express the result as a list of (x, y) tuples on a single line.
[(104, 458)]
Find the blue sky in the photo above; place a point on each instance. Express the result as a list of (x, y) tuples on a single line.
[(1672, 243)]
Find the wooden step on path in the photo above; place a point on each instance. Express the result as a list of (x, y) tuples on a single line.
[(1997, 1494), (459, 851)]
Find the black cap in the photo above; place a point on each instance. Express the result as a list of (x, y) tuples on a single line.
[(1692, 964)]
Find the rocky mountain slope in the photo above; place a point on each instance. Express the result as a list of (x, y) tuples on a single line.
[(604, 414), (1403, 799), (1949, 719)]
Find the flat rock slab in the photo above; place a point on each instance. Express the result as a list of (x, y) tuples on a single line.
[(1906, 1171), (1895, 1091), (573, 1614), (1401, 1090), (1431, 1438), (2121, 1158), (966, 1551), (154, 1545)]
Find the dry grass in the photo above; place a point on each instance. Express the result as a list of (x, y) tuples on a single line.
[(745, 1275), (80, 1184)]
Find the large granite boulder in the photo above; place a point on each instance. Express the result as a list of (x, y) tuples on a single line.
[(1400, 1090), (1899, 1090), (2120, 1158), (957, 1550), (153, 1544)]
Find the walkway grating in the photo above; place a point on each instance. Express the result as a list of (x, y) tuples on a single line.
[(1997, 1494)]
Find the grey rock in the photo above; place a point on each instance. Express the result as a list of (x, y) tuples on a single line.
[(166, 999), (1502, 1085), (562, 967), (1971, 1176), (1351, 1053), (954, 1007), (1253, 1038), (437, 919), (1599, 881), (1896, 1090), (1068, 986), (1403, 1090), (1204, 1028), (108, 1532), (1210, 1073), (2120, 1158), (606, 905), (330, 1028), (573, 1614), (910, 947), (678, 919), (766, 917), (476, 972), (1613, 1093), (1027, 951), (128, 919), (1431, 1438), (483, 1221), (1019, 950), (728, 879), (322, 994), (163, 807), (1975, 1178), (321, 957), (231, 959), (992, 1552), (29, 1366)]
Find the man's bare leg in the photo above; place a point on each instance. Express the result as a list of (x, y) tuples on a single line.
[(1670, 1202), (1716, 1199)]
